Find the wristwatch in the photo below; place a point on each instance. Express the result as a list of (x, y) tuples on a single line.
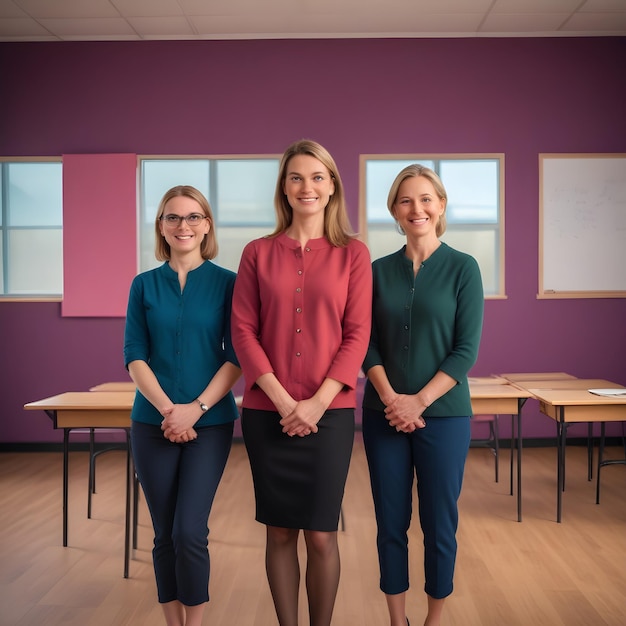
[(203, 406)]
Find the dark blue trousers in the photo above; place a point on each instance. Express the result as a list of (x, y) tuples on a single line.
[(436, 456), (179, 481)]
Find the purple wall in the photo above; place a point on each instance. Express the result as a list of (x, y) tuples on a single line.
[(520, 97)]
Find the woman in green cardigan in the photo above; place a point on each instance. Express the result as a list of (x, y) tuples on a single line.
[(426, 328)]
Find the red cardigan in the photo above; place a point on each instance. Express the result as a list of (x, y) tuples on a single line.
[(303, 314)]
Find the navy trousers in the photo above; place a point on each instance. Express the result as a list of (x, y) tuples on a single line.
[(436, 456), (179, 481)]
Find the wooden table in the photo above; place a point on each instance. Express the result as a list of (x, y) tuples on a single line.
[(571, 383), (567, 406), (90, 409), (503, 399)]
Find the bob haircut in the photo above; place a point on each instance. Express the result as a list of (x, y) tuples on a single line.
[(337, 227), (209, 248), (412, 171)]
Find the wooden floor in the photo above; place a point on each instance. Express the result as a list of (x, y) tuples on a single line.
[(534, 573)]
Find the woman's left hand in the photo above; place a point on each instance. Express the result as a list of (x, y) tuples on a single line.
[(405, 413), (188, 435)]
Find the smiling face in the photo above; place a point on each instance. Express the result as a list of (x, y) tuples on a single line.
[(308, 186), (418, 207), (181, 237)]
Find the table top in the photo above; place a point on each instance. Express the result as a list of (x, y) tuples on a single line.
[(85, 400), (521, 376), (575, 397), (128, 385), (481, 390), (487, 380), (569, 383)]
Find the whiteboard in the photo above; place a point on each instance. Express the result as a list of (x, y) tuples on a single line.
[(582, 226)]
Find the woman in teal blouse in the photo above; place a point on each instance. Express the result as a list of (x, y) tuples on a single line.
[(178, 351), (426, 327)]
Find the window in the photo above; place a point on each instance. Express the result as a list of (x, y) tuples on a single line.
[(239, 190), (475, 210), (31, 228)]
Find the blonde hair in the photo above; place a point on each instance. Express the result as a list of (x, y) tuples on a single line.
[(413, 171), (337, 227), (209, 248)]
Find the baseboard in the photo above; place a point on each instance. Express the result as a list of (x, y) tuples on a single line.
[(547, 442), (539, 442)]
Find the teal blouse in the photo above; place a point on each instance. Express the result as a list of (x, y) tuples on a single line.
[(183, 336), (426, 323)]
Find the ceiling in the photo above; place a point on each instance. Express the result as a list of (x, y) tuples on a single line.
[(129, 20)]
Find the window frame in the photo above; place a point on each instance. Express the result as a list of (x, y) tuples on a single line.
[(212, 163), (4, 227), (499, 227)]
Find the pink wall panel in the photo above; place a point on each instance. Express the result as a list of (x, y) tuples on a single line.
[(99, 233)]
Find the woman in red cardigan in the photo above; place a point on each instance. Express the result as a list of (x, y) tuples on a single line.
[(300, 325)]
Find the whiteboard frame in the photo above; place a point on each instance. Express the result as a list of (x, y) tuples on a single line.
[(550, 293)]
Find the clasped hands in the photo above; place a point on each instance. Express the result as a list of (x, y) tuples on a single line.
[(178, 421), (301, 418), (404, 413)]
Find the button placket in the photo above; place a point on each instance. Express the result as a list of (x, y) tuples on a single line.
[(299, 307), (406, 328)]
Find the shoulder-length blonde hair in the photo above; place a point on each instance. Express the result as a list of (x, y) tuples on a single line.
[(412, 171), (337, 227), (209, 248)]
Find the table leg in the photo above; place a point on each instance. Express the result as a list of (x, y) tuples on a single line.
[(519, 463), (66, 437), (560, 487), (511, 455), (590, 451), (600, 460), (128, 508)]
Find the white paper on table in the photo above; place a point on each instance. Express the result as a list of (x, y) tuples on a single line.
[(608, 392)]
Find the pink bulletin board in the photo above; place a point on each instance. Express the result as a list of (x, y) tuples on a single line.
[(99, 233)]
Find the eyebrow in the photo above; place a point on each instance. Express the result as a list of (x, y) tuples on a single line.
[(419, 195), (291, 173)]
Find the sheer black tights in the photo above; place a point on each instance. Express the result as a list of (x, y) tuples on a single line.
[(283, 573)]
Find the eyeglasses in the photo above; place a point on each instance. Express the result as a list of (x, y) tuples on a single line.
[(193, 219)]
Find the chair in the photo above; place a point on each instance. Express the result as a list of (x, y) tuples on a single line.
[(492, 441), (602, 462)]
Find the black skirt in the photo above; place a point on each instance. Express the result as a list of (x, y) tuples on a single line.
[(299, 481)]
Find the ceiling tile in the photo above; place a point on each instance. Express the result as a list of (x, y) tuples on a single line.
[(584, 22), (68, 8), (520, 23), (535, 6), (148, 8), (76, 27), (10, 9), (169, 27), (599, 6), (19, 27)]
